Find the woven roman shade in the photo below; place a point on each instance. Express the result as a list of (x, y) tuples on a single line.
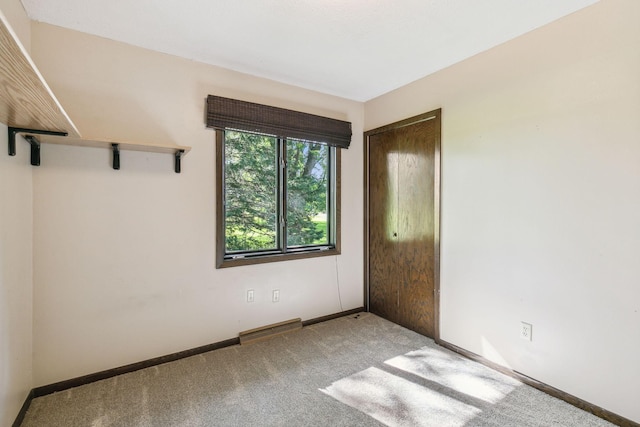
[(226, 113)]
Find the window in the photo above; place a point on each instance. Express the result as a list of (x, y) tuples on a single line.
[(278, 194)]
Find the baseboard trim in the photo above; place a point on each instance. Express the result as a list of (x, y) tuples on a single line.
[(552, 391), (332, 316), (23, 410), (110, 373)]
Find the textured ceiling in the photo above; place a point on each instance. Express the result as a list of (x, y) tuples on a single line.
[(356, 49)]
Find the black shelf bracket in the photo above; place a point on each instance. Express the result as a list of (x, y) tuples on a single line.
[(35, 149), (29, 136), (35, 144), (179, 155), (116, 156)]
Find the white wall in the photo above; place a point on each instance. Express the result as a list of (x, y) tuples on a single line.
[(16, 268), (16, 278), (539, 214), (125, 260), (540, 201)]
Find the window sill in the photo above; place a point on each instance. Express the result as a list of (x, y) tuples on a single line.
[(235, 262)]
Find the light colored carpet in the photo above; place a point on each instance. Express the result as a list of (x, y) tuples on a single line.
[(353, 371)]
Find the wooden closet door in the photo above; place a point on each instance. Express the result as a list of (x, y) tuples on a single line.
[(416, 226), (383, 232), (402, 223)]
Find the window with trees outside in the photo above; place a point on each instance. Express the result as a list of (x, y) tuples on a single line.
[(278, 196)]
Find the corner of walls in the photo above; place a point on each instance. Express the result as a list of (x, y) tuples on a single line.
[(16, 256), (16, 282), (125, 260), (539, 213)]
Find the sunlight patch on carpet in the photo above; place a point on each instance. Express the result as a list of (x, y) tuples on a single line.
[(455, 373), (398, 402)]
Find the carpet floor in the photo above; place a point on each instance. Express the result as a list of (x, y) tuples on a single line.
[(358, 370)]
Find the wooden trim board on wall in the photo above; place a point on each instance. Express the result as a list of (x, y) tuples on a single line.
[(23, 410), (572, 400), (552, 391), (86, 379)]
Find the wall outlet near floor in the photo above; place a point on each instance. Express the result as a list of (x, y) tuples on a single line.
[(525, 331), (276, 295), (250, 295)]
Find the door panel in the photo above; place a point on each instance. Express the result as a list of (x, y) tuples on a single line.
[(383, 213), (402, 222), (416, 226)]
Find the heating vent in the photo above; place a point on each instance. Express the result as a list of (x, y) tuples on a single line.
[(269, 331)]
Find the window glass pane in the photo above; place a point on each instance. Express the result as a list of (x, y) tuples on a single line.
[(307, 201), (250, 178)]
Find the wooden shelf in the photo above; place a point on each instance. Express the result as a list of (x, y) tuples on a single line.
[(26, 99), (27, 102), (105, 143)]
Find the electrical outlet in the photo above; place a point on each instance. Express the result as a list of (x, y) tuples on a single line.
[(525, 331), (250, 296), (276, 295)]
